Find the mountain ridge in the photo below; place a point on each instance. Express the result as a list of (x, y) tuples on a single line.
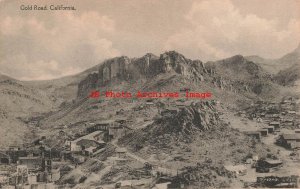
[(229, 74), (276, 65), (235, 81)]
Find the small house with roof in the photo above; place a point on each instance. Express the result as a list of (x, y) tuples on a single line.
[(289, 140)]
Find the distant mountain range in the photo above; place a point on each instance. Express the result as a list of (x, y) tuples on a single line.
[(234, 80), (286, 69), (276, 65)]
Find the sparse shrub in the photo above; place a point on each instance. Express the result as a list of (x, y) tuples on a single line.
[(82, 179)]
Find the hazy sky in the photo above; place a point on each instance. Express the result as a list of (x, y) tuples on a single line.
[(51, 44)]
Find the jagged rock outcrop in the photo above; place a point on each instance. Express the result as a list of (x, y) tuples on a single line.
[(197, 117), (186, 123), (146, 65), (173, 60), (235, 74), (206, 175), (124, 68), (114, 68), (90, 82)]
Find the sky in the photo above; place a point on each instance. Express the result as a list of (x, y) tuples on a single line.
[(39, 45)]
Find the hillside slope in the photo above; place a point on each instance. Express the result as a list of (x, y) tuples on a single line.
[(289, 76), (235, 81), (17, 103)]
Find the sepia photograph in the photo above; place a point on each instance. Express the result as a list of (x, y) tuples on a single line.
[(149, 94)]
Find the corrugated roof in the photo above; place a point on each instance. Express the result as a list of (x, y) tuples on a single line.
[(89, 136), (88, 142), (121, 150), (291, 136), (269, 127), (274, 123), (273, 161), (251, 132)]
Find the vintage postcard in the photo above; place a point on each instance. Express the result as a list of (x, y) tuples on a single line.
[(149, 94)]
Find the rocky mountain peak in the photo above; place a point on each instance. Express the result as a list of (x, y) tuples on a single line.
[(221, 73), (172, 57), (237, 59), (148, 66), (151, 56), (239, 64)]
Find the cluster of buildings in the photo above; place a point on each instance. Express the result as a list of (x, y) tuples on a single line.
[(32, 166), (95, 139), (277, 182), (28, 167), (276, 116), (279, 115)]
